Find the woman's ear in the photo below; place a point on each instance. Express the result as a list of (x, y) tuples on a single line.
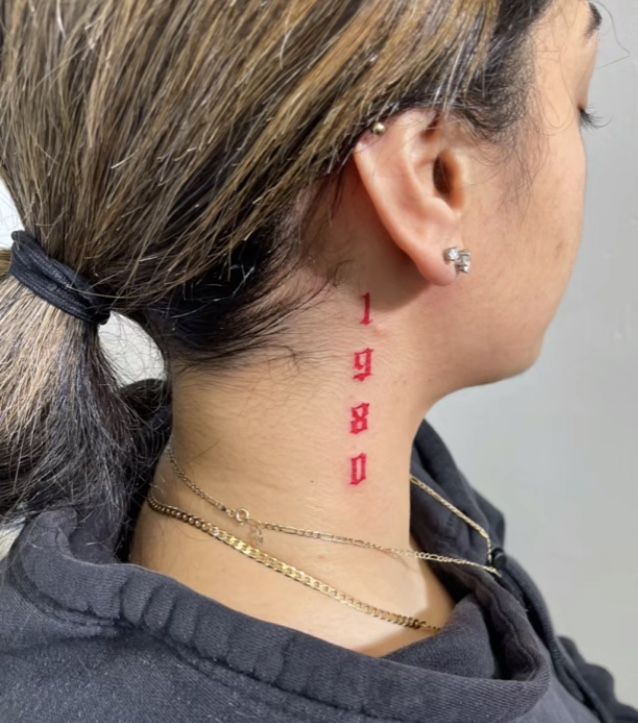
[(415, 177)]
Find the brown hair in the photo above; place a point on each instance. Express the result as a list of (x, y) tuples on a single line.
[(177, 154)]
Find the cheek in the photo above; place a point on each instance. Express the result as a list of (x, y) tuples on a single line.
[(525, 252), (553, 232), (556, 225), (547, 240)]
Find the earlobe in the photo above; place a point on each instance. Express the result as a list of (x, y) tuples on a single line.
[(414, 178)]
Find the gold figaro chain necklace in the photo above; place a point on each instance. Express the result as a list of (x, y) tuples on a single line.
[(256, 527), (242, 516)]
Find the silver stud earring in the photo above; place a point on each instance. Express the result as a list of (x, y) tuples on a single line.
[(378, 128), (462, 258)]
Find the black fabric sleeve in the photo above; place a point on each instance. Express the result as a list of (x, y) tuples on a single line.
[(598, 678), (601, 681)]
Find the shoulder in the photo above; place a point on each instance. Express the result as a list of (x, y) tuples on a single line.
[(133, 676), (115, 674), (56, 667)]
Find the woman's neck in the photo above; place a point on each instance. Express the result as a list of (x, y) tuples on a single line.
[(280, 442)]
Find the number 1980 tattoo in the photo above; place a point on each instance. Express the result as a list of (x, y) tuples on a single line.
[(362, 366)]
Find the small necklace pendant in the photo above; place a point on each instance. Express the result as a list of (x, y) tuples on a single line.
[(255, 532)]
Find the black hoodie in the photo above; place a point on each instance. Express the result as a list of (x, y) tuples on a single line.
[(86, 636)]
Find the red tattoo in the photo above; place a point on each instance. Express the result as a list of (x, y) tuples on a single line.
[(359, 414), (366, 314), (359, 420), (363, 362), (358, 469)]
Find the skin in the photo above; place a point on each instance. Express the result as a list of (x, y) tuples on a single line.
[(275, 438)]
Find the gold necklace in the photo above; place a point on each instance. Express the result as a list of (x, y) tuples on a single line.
[(256, 527), (288, 570), (242, 516)]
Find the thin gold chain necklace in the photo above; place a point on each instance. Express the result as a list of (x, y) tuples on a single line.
[(256, 527), (241, 516), (290, 571)]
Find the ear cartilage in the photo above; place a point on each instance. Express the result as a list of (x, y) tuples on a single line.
[(462, 258)]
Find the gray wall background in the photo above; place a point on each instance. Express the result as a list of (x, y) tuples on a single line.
[(555, 448)]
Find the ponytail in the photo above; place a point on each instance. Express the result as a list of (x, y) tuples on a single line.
[(68, 431)]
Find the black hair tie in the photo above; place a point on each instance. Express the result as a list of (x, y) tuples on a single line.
[(55, 282)]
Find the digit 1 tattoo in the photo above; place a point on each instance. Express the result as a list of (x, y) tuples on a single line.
[(366, 312)]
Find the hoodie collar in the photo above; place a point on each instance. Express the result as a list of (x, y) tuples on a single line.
[(486, 664)]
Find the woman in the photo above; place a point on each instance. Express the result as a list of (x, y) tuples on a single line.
[(328, 216)]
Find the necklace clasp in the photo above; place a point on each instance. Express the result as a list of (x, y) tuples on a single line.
[(241, 515)]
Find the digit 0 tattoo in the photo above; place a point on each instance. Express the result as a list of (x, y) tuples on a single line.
[(358, 469)]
